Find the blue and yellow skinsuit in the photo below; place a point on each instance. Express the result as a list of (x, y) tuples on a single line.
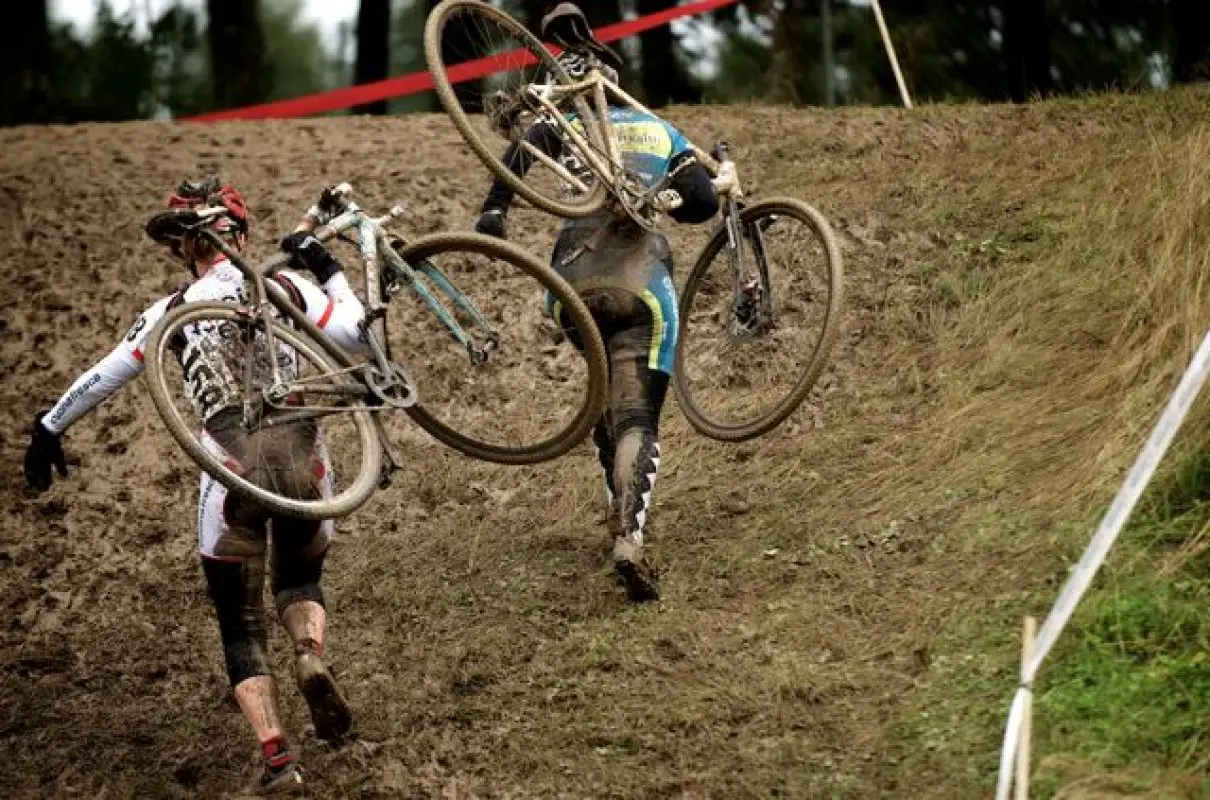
[(625, 280), (641, 264)]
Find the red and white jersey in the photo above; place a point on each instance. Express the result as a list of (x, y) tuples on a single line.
[(335, 309)]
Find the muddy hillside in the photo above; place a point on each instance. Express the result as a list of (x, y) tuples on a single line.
[(817, 581)]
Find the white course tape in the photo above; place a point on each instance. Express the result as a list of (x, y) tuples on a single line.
[(1106, 534)]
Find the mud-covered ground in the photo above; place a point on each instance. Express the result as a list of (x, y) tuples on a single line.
[(474, 622)]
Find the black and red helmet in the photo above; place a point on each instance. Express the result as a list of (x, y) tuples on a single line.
[(166, 228), (213, 192)]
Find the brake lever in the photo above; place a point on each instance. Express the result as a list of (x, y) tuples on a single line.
[(335, 199)]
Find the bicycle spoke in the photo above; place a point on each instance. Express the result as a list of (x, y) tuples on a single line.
[(530, 384)]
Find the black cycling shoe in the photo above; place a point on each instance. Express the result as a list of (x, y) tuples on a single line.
[(329, 711), (640, 579), (492, 223)]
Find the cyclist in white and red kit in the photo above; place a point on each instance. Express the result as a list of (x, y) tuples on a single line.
[(232, 533)]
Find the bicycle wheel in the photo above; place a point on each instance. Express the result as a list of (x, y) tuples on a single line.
[(489, 111), (737, 381), (285, 447), (535, 397)]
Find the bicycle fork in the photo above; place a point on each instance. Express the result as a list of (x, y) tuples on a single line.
[(752, 302), (400, 272)]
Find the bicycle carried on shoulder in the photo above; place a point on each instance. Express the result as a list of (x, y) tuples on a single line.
[(285, 372), (756, 325)]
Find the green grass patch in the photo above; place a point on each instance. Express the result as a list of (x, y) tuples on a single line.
[(1124, 699), (1129, 683), (1128, 687), (1132, 680)]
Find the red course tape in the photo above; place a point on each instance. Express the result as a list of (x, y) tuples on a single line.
[(349, 96)]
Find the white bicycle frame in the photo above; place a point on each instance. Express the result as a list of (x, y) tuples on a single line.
[(609, 168)]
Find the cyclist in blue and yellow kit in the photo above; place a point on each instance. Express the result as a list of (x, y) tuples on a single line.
[(625, 278)]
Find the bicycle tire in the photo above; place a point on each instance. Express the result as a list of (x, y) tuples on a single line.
[(693, 411), (157, 349), (594, 353), (433, 29)]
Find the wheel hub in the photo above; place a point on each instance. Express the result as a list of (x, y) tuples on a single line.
[(749, 317)]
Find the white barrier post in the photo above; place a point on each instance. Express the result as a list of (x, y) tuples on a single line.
[(1094, 555), (1027, 651), (890, 52)]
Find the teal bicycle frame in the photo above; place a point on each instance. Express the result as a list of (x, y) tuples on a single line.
[(386, 274)]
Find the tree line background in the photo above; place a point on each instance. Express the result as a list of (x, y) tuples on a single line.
[(227, 53)]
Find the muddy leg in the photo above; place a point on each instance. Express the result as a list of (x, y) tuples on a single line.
[(299, 548), (606, 449), (232, 544), (636, 399)]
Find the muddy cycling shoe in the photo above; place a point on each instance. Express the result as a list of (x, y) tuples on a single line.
[(281, 776), (329, 711), (492, 223), (285, 781), (640, 579)]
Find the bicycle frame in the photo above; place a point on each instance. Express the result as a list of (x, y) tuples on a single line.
[(608, 167), (376, 374)]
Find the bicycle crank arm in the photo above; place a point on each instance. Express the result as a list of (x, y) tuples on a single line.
[(392, 461), (395, 388)]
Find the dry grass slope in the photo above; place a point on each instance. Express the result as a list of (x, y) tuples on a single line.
[(842, 596)]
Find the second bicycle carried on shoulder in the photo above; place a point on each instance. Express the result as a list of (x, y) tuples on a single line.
[(757, 324)]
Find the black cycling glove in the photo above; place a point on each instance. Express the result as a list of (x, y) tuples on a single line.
[(310, 254), (44, 451)]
